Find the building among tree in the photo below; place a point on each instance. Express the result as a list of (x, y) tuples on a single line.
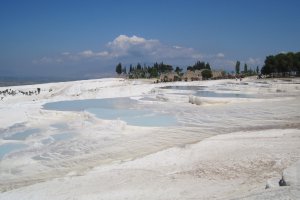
[(217, 74), (190, 75), (169, 77)]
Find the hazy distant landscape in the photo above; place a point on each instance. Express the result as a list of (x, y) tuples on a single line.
[(13, 81)]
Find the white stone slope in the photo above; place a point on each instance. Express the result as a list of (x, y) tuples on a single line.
[(260, 138), (221, 167)]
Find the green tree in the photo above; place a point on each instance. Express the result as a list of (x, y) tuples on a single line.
[(245, 68), (119, 68), (153, 72), (207, 66), (178, 70), (257, 70), (199, 65), (296, 67), (206, 74), (282, 64), (163, 68), (269, 65), (189, 68), (139, 66), (124, 70), (237, 67)]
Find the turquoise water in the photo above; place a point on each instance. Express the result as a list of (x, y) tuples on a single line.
[(62, 136), (81, 105), (205, 93), (8, 148), (202, 92), (59, 126), (184, 87), (22, 135), (134, 117), (124, 109), (47, 141)]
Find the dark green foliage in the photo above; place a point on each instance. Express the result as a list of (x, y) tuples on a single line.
[(139, 66), (178, 70), (199, 66), (148, 71), (162, 68), (257, 70), (282, 63), (237, 67), (206, 74), (190, 68), (207, 66), (119, 68), (245, 68), (153, 72)]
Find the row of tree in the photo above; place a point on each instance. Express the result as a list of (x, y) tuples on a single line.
[(199, 66), (154, 71), (139, 71), (247, 71), (282, 64)]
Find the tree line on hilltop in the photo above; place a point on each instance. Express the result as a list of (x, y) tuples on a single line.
[(247, 71), (139, 71), (199, 66), (282, 64), (154, 71)]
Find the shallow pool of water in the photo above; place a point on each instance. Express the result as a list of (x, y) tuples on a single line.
[(134, 117), (82, 105), (184, 87), (206, 93), (22, 135), (59, 126), (62, 136), (10, 147), (203, 92), (125, 109)]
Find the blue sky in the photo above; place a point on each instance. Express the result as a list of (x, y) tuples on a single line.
[(88, 38)]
